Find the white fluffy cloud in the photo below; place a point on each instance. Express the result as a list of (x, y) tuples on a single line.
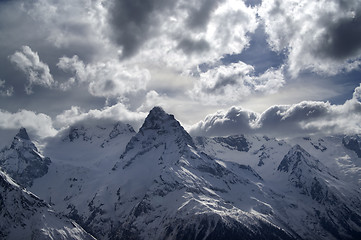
[(227, 84), (307, 117), (117, 112), (320, 36), (37, 72), (80, 25), (232, 121), (38, 124), (106, 79)]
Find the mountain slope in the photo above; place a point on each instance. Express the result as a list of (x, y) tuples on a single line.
[(310, 195), (25, 216), (336, 205)]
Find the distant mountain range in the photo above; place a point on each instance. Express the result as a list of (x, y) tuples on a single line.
[(108, 181)]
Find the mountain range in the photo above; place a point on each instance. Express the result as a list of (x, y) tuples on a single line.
[(104, 180)]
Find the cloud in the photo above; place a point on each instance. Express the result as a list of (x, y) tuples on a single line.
[(105, 79), (225, 84), (77, 26), (134, 21), (307, 117), (117, 112), (190, 46), (38, 124), (200, 15), (37, 72), (291, 119), (5, 92), (356, 97), (232, 121), (184, 56), (152, 99), (112, 47), (179, 34), (319, 36)]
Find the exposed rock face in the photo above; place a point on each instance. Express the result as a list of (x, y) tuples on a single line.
[(353, 143), (239, 143)]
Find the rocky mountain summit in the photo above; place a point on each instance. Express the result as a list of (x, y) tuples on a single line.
[(22, 160)]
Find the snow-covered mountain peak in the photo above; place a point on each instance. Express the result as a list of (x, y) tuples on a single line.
[(161, 122), (156, 118), (96, 132), (22, 161), (121, 128), (295, 157), (22, 140), (165, 128), (22, 134), (159, 130)]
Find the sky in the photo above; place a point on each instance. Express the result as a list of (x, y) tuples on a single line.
[(222, 67)]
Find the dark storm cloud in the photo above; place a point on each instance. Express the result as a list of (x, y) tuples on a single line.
[(190, 46), (199, 17), (134, 21), (343, 38)]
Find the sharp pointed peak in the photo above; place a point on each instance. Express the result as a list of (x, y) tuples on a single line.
[(296, 155), (23, 134), (157, 111), (22, 139), (298, 148), (156, 119), (162, 123)]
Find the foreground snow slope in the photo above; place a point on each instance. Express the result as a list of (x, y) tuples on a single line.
[(25, 216)]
